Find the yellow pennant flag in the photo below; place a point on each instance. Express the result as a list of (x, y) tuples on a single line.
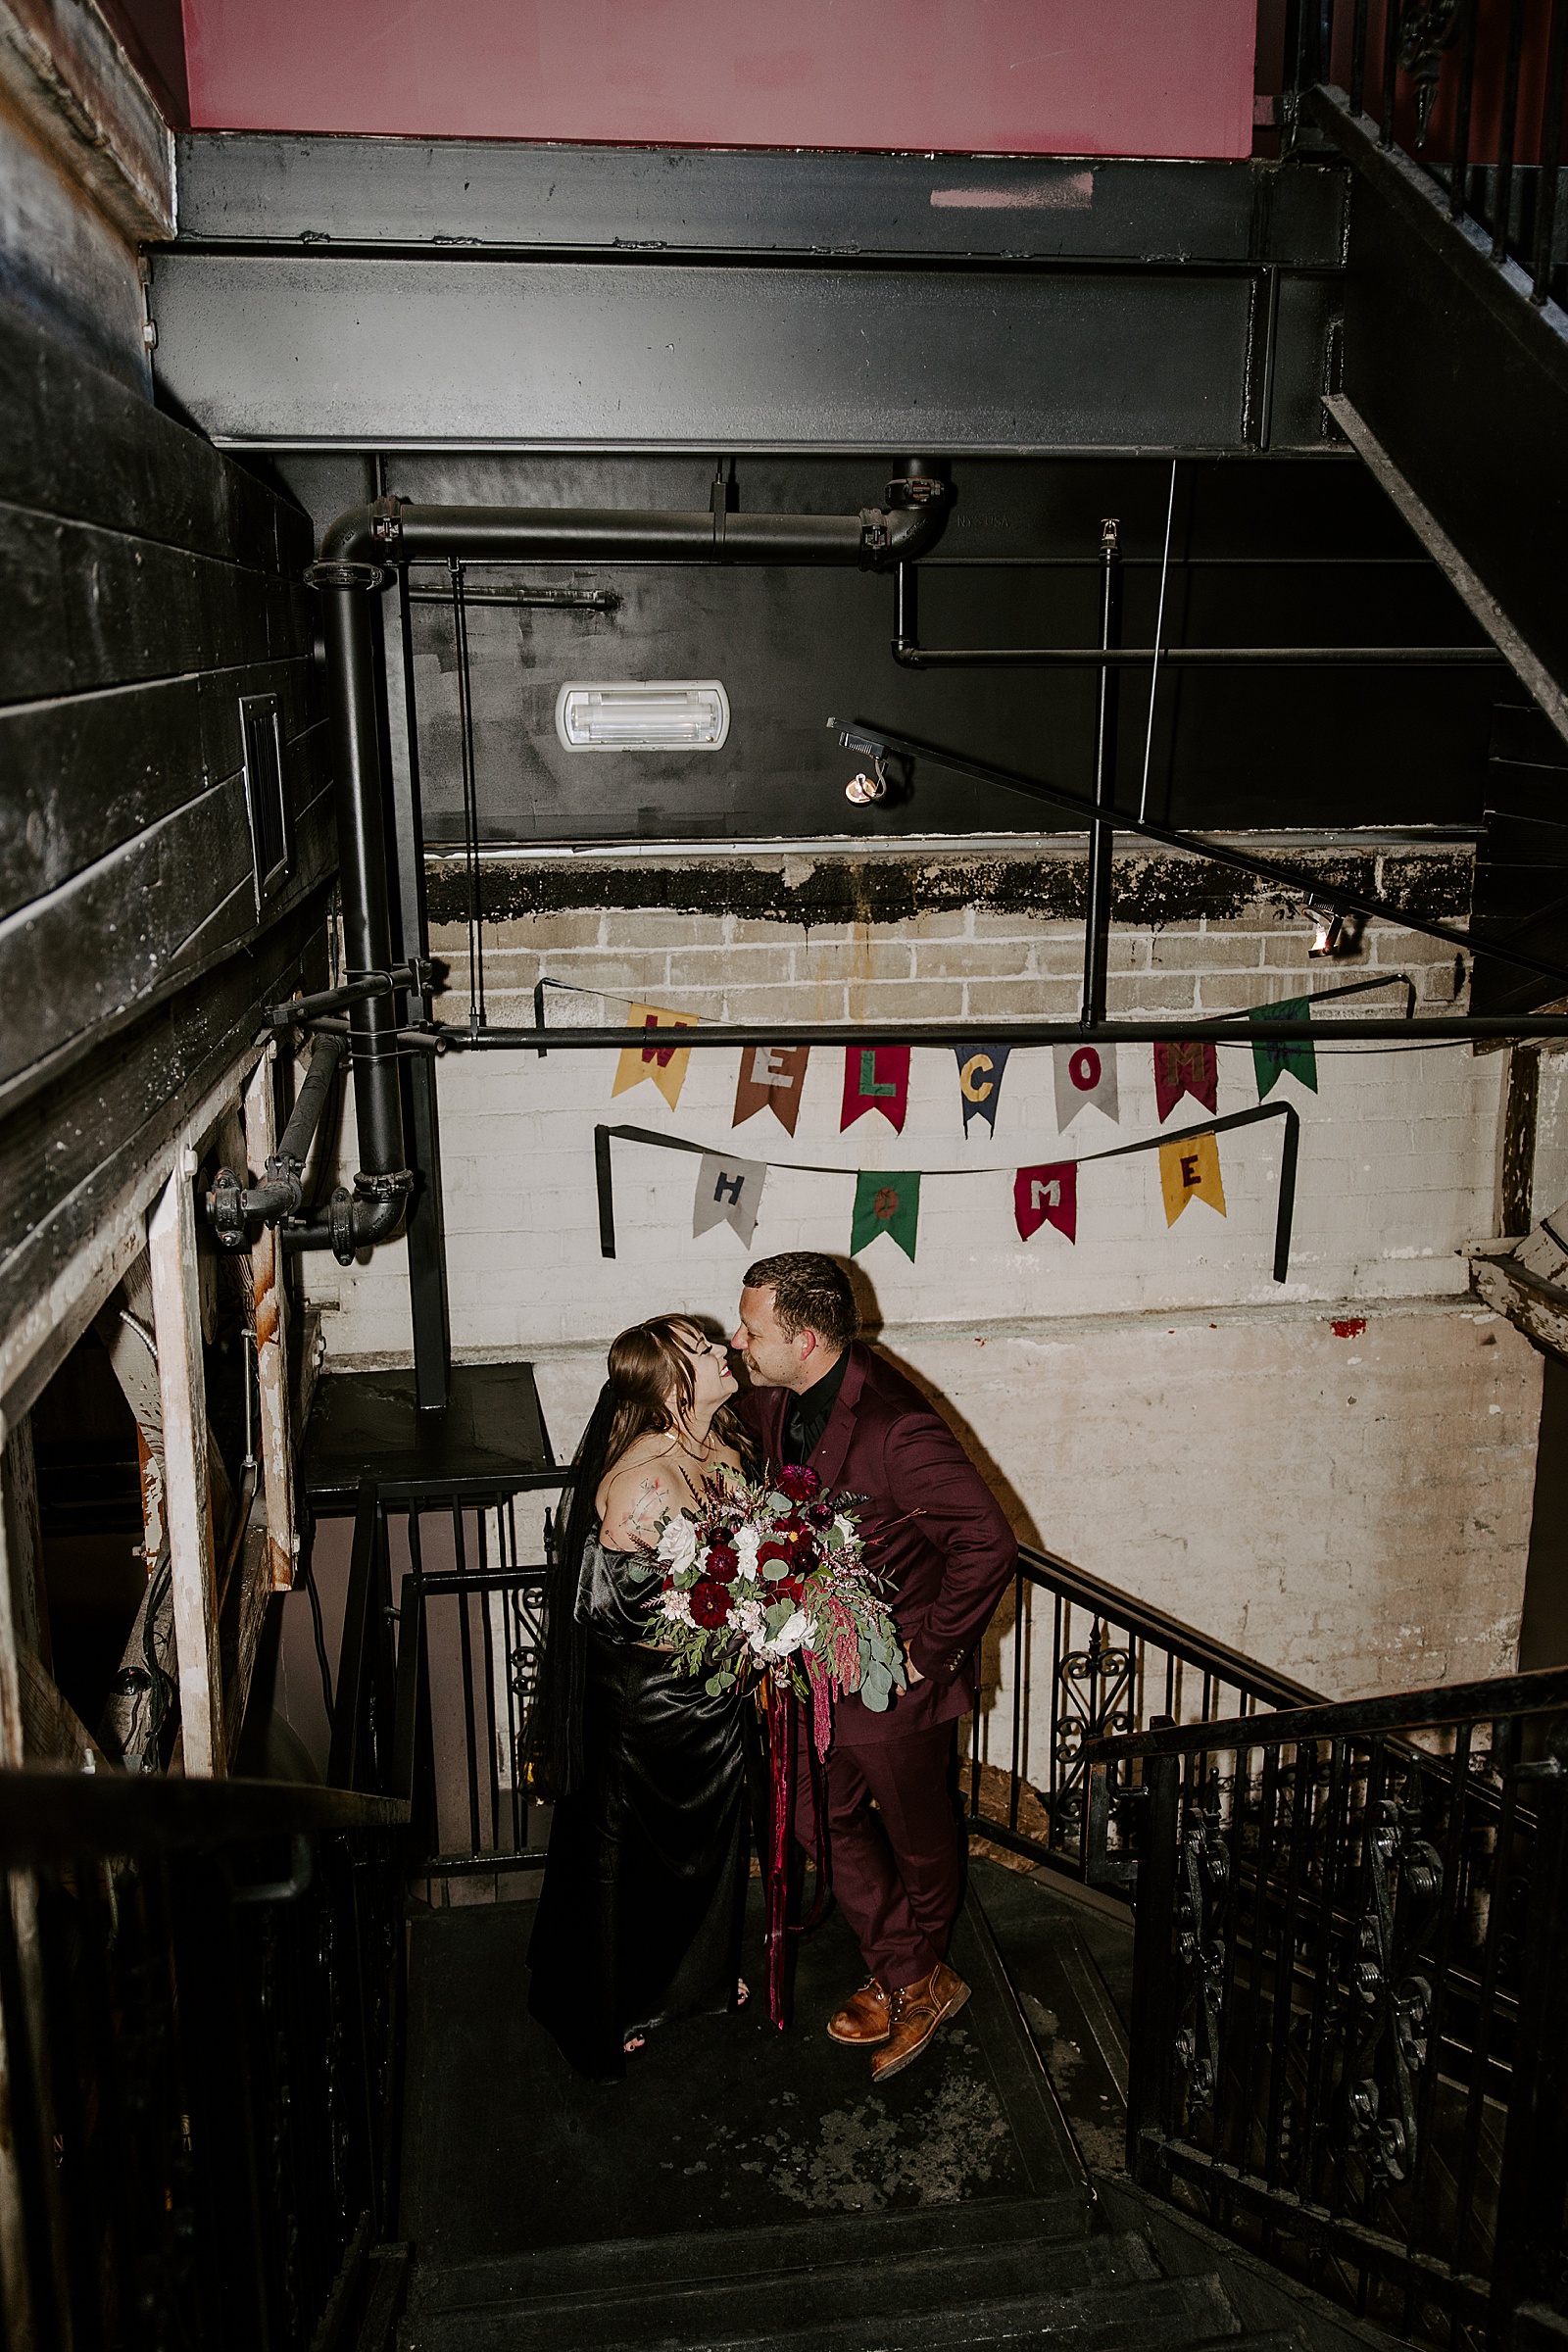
[(666, 1065), (1190, 1171)]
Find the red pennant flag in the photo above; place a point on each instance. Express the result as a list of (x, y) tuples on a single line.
[(1047, 1196), (1183, 1067), (875, 1078), (772, 1076)]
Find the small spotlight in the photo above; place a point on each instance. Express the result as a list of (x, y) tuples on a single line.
[(1328, 930), (862, 789)]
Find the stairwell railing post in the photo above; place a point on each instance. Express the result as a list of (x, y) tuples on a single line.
[(1153, 1968), (1528, 2248)]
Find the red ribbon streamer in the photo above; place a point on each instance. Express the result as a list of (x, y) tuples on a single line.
[(780, 1704)]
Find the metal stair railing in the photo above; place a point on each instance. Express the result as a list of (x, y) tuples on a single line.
[(1349, 2041), (1076, 1659)]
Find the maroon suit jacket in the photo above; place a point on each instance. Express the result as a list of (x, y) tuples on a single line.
[(933, 1529)]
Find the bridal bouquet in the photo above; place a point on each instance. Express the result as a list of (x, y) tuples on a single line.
[(769, 1575)]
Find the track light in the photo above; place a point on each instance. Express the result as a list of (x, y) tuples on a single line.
[(863, 788), (1328, 930)]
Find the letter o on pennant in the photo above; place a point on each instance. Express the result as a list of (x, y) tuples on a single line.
[(1083, 1068)]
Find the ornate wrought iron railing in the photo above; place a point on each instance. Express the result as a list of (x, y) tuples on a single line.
[(200, 2009), (1073, 1661), (1349, 2036), (1472, 92)]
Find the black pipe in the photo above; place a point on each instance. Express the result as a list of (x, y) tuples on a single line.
[(1193, 656), (229, 1206), (355, 551), (1308, 888), (1231, 1028), (1101, 834)]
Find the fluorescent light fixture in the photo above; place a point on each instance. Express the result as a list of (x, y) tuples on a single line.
[(654, 714)]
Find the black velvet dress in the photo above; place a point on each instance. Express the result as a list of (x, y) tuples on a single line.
[(644, 1894)]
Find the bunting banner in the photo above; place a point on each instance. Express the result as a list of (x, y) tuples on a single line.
[(891, 1202), (1272, 1059), (1189, 1170), (1084, 1074), (666, 1065), (772, 1078), (885, 1203), (1185, 1067), (729, 1191), (980, 1069), (875, 1078), (1047, 1196)]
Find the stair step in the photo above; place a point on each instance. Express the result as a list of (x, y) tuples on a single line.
[(806, 2313), (641, 2265)]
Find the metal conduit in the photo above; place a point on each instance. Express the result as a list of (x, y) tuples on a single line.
[(355, 551)]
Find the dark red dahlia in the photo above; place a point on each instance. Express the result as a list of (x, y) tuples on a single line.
[(721, 1566), (783, 1552), (710, 1604), (798, 1482)]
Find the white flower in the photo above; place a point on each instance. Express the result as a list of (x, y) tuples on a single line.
[(744, 1543), (747, 1615), (791, 1634), (677, 1545), (843, 1529), (678, 1606)]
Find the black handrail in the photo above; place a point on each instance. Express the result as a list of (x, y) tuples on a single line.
[(1439, 1707), (1346, 1954), (201, 2005)]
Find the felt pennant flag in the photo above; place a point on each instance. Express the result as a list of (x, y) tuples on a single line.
[(1182, 1066), (1085, 1074), (666, 1065), (771, 1077), (980, 1069), (1189, 1170), (729, 1191), (1272, 1057), (875, 1078), (1047, 1196), (885, 1203)]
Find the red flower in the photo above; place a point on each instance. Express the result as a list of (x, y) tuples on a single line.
[(710, 1604), (721, 1566), (798, 1483), (783, 1552)]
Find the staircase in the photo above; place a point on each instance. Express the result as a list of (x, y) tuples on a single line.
[(751, 2189)]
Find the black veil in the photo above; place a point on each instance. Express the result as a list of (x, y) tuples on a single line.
[(553, 1743)]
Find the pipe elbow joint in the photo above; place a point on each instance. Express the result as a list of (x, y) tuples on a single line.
[(920, 498), (357, 547)]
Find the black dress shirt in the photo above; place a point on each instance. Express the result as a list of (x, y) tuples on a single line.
[(807, 1417)]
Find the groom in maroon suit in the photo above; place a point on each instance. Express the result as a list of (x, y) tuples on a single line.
[(946, 1554)]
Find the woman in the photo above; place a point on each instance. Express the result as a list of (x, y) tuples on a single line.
[(645, 1887)]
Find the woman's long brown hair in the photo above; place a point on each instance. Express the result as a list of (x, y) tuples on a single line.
[(652, 1381)]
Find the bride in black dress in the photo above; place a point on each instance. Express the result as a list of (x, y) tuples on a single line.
[(645, 1886)]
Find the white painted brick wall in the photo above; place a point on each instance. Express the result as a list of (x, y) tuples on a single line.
[(1156, 1406)]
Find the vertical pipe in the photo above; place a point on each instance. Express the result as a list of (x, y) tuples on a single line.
[(1102, 837), (1551, 149), (1507, 134), (1153, 1971)]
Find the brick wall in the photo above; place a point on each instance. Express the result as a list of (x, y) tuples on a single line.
[(1353, 1509)]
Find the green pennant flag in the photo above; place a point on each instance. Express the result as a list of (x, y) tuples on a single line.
[(1272, 1056), (885, 1203)]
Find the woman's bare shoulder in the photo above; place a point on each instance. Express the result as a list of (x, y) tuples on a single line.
[(636, 1499)]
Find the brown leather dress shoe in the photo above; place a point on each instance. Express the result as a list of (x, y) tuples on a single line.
[(863, 2018), (914, 2012)]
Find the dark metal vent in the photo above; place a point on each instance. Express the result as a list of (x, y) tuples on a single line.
[(266, 803)]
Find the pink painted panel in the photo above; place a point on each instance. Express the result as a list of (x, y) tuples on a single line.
[(1139, 77)]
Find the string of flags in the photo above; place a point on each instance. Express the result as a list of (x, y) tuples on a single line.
[(876, 1078), (730, 1188)]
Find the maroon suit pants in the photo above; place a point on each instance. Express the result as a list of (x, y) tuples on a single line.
[(896, 1863)]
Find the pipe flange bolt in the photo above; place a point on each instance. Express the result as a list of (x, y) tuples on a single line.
[(226, 1210), (340, 1225), (915, 490), (384, 1188), (344, 575)]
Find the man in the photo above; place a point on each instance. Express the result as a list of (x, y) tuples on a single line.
[(946, 1554)]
